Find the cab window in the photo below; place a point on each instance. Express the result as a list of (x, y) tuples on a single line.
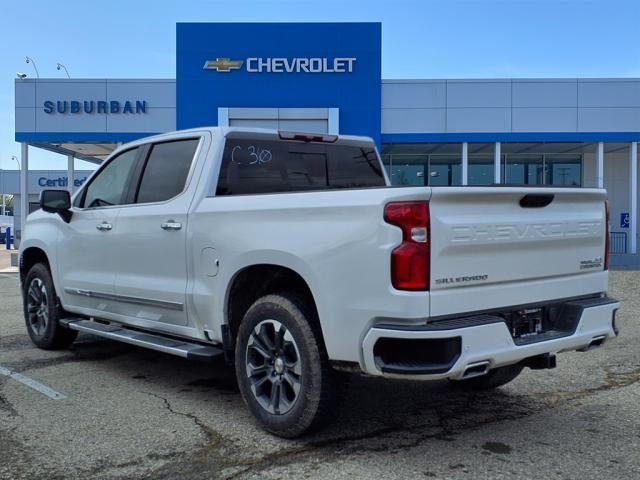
[(109, 185)]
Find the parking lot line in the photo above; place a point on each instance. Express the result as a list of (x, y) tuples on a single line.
[(30, 382)]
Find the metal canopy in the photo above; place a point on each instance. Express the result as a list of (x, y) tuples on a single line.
[(89, 152)]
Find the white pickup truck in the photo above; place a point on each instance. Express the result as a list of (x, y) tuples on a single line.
[(290, 256)]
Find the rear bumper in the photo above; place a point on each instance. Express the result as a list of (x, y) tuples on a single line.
[(459, 344)]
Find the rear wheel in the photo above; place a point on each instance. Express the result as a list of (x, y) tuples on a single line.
[(283, 371), (41, 311), (494, 379)]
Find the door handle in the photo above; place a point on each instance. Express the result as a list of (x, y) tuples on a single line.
[(104, 226), (171, 225)]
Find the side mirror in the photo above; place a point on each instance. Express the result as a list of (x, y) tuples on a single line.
[(56, 201)]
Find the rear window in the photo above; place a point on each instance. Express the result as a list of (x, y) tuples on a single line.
[(269, 166)]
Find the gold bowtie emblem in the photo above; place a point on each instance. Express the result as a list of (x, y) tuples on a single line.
[(223, 64)]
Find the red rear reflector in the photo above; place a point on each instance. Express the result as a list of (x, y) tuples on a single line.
[(410, 261), (308, 137), (607, 233)]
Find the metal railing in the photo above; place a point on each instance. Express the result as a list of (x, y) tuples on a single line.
[(618, 242)]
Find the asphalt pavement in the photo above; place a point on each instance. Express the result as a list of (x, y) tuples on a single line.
[(107, 410)]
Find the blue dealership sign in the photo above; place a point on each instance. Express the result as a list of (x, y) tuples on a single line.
[(284, 65)]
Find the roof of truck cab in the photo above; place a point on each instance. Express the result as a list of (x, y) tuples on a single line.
[(342, 139)]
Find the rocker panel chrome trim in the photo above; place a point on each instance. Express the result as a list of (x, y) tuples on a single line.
[(123, 298)]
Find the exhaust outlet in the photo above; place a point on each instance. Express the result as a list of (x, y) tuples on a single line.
[(597, 341), (594, 343), (476, 369)]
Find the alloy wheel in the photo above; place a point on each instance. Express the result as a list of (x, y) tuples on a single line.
[(273, 367), (38, 306)]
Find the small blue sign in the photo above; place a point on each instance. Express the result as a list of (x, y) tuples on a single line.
[(624, 220)]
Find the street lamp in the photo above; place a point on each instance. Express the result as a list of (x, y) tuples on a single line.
[(30, 60), (17, 161), (62, 66)]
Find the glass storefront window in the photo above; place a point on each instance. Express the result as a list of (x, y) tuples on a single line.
[(440, 164), (523, 169), (481, 163), (544, 163), (408, 170), (445, 170), (419, 164), (563, 170)]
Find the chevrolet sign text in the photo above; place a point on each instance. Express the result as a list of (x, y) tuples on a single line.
[(284, 65)]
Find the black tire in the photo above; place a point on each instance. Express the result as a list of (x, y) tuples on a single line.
[(280, 409), (494, 379), (41, 311)]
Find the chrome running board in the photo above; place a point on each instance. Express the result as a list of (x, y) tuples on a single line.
[(173, 346)]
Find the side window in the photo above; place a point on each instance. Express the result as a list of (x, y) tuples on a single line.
[(166, 170), (108, 187)]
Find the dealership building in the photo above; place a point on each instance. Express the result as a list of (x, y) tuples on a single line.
[(326, 78)]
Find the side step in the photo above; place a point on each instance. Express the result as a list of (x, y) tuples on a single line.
[(181, 348)]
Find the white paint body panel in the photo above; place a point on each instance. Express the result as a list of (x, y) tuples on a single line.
[(338, 242)]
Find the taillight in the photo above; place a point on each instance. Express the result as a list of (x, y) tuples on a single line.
[(606, 234), (410, 260)]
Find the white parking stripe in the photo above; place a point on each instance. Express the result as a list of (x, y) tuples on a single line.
[(30, 382)]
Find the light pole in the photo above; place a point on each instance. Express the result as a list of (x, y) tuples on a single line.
[(17, 161), (62, 66), (30, 60)]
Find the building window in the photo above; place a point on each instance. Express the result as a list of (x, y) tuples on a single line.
[(543, 163), (563, 170), (523, 169), (440, 164), (420, 164), (481, 163)]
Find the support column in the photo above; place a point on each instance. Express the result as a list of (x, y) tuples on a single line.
[(600, 166), (24, 190), (71, 174), (465, 163), (496, 163), (633, 198), (223, 117), (333, 121)]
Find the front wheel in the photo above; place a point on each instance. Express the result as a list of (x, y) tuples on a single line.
[(41, 312), (282, 368)]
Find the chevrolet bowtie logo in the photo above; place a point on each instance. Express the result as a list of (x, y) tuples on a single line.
[(223, 64)]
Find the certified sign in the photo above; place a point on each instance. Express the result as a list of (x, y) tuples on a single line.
[(284, 64)]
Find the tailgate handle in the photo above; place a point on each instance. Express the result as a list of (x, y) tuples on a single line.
[(536, 200)]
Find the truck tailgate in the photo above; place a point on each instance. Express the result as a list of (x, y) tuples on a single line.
[(511, 245)]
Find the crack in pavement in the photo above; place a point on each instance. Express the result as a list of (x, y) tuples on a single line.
[(7, 406), (213, 437)]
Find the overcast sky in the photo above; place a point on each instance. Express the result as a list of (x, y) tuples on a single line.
[(421, 39)]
